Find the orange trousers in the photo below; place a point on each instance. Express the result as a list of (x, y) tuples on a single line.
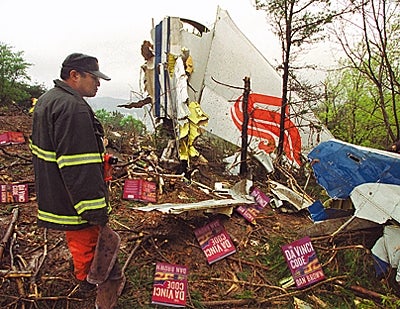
[(82, 245)]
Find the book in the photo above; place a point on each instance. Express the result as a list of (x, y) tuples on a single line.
[(260, 197), (13, 193), (11, 138), (170, 285), (214, 241), (250, 212), (303, 262), (140, 190)]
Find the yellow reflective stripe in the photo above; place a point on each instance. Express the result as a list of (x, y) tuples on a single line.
[(79, 159), (90, 205), (45, 155), (66, 220), (66, 160)]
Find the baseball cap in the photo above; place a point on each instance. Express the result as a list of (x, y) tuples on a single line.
[(86, 63)]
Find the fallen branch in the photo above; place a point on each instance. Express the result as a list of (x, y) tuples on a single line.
[(229, 302), (341, 248), (299, 291), (158, 251), (248, 263), (33, 285), (20, 282), (363, 291), (9, 231), (33, 299), (15, 274), (128, 260), (43, 256), (138, 242), (15, 155), (213, 280)]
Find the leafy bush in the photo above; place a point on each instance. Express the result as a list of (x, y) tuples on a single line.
[(120, 129)]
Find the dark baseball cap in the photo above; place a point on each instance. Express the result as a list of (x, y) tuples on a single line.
[(82, 62)]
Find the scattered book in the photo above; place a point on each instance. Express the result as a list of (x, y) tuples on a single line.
[(250, 212), (170, 285), (11, 138), (261, 198), (303, 262), (13, 193), (214, 241), (140, 190)]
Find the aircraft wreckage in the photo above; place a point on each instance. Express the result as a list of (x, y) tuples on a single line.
[(185, 79)]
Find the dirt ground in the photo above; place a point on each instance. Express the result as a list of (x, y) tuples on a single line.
[(41, 267)]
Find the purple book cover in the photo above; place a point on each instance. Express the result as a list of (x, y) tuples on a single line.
[(10, 138), (303, 262), (140, 190), (13, 193), (170, 285), (248, 212), (261, 198), (214, 241)]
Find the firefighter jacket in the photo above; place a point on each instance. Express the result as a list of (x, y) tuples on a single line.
[(67, 147)]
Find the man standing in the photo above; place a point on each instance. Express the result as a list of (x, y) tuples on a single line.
[(67, 147)]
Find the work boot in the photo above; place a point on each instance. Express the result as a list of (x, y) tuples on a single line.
[(85, 289), (105, 255), (108, 293)]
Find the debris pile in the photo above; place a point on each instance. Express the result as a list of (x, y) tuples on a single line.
[(35, 263)]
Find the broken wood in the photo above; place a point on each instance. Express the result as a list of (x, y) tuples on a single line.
[(327, 227), (15, 274), (363, 291), (128, 260), (28, 160), (9, 231), (301, 291), (274, 287), (229, 302), (33, 285), (241, 261), (137, 104), (20, 282)]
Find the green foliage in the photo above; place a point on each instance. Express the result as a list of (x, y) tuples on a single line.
[(270, 255), (127, 128), (246, 294), (352, 109), (140, 284), (104, 116), (196, 298), (361, 99), (132, 124), (296, 23), (33, 91), (13, 76), (390, 303), (353, 263), (119, 122)]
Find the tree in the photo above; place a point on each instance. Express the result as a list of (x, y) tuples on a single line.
[(370, 41), (296, 23), (13, 75), (350, 110)]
